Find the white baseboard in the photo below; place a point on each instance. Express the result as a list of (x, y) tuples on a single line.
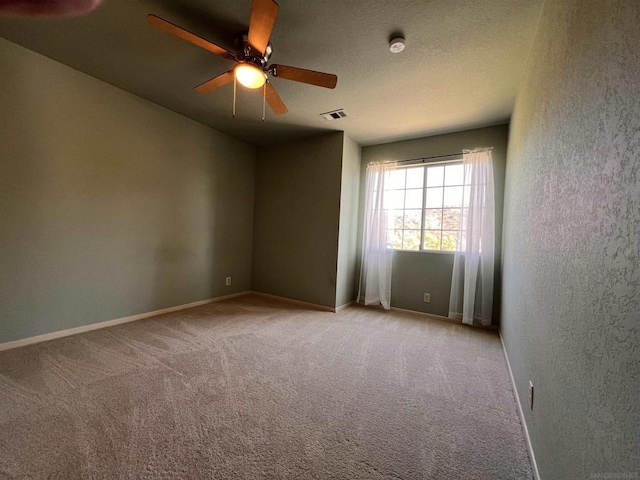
[(110, 323), (342, 307), (534, 465), (297, 302), (433, 316), (427, 315), (417, 313)]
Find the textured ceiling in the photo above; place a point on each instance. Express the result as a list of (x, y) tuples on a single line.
[(461, 67)]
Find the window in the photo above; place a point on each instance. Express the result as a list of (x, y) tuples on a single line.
[(424, 205)]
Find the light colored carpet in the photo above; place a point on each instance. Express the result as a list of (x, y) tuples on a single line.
[(253, 388)]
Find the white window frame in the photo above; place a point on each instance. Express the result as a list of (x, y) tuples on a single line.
[(425, 166)]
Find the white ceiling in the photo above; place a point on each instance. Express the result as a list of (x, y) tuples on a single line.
[(461, 67)]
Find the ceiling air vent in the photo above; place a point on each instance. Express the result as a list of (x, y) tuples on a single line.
[(334, 115)]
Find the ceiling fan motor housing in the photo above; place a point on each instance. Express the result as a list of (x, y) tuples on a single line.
[(246, 53)]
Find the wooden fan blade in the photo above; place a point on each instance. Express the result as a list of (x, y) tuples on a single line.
[(326, 80), (215, 83), (274, 100), (263, 18), (188, 36)]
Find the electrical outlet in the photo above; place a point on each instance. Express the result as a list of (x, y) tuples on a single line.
[(530, 394), (227, 281), (426, 298)]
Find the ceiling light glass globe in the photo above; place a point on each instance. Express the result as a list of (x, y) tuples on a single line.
[(249, 75)]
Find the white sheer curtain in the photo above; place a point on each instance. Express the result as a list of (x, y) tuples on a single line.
[(473, 267), (375, 272)]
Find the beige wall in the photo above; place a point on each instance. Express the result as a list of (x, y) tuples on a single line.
[(416, 273), (110, 205), (297, 213), (571, 287)]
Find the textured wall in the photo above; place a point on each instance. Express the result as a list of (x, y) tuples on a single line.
[(297, 213), (110, 205), (571, 311), (415, 273)]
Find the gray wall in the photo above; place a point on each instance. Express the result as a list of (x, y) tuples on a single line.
[(346, 290), (571, 311), (415, 273), (110, 205), (297, 212)]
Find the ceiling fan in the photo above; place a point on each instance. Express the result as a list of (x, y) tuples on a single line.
[(252, 52)]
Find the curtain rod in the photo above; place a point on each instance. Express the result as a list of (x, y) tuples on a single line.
[(424, 159)]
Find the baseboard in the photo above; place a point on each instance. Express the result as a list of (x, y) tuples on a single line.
[(110, 323), (432, 316), (296, 302), (534, 465), (417, 313), (457, 321), (346, 305)]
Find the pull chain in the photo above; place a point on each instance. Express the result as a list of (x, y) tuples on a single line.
[(264, 100), (233, 114)]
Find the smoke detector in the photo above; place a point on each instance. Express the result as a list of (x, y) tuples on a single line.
[(396, 45)]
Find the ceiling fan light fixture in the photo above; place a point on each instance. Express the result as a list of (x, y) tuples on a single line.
[(249, 75)]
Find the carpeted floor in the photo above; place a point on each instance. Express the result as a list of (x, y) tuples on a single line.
[(252, 388)]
